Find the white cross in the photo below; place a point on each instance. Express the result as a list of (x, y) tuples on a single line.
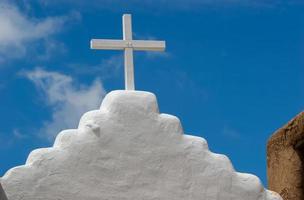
[(128, 45)]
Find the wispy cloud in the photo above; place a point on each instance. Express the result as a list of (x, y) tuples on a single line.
[(7, 140), (111, 66), (18, 135), (19, 31), (67, 99), (106, 68), (157, 54), (231, 133)]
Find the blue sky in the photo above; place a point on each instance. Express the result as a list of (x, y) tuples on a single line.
[(232, 71)]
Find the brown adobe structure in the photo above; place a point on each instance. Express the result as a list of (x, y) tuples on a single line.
[(285, 160)]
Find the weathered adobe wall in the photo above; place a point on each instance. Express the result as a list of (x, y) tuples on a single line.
[(285, 162)]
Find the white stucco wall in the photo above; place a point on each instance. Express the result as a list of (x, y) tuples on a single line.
[(128, 151), (2, 194)]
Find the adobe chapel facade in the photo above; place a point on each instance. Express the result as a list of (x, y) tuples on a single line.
[(285, 160)]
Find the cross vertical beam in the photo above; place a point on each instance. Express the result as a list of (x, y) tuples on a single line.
[(128, 54)]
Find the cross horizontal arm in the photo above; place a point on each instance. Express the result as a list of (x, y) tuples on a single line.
[(148, 45), (108, 44)]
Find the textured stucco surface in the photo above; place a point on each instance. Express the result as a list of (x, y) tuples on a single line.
[(2, 194), (285, 163), (128, 151)]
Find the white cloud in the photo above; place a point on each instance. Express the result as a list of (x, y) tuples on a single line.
[(106, 68), (113, 65), (231, 133), (8, 140), (67, 99), (19, 31), (157, 54), (18, 135)]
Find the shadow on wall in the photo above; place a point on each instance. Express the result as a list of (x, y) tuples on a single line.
[(299, 149), (2, 193)]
